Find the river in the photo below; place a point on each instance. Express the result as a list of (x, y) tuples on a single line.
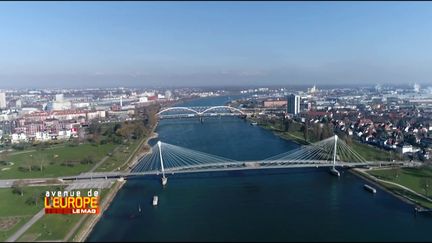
[(260, 205)]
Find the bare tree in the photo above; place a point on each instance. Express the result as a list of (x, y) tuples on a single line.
[(425, 183), (41, 160), (4, 155), (396, 172), (18, 187), (29, 162)]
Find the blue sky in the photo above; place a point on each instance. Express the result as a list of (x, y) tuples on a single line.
[(65, 44)]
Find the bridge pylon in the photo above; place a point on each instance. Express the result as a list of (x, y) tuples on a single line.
[(335, 150), (164, 179), (333, 169)]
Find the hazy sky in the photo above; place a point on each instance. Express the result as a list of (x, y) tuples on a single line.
[(65, 44)]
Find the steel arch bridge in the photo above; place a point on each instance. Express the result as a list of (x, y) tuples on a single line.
[(201, 111)]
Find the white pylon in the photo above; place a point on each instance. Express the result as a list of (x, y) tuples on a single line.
[(164, 179), (334, 150)]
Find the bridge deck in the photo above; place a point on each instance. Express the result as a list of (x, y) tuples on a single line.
[(231, 166)]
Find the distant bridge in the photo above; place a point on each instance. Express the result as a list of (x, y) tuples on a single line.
[(200, 111)]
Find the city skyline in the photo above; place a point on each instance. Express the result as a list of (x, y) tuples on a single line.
[(108, 44)]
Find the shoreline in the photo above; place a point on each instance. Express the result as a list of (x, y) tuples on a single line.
[(82, 236), (360, 174), (368, 178), (371, 179), (135, 159)]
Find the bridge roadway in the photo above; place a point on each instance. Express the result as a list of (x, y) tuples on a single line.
[(211, 111), (233, 166), (176, 116)]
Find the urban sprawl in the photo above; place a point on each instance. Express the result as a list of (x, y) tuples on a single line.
[(395, 119)]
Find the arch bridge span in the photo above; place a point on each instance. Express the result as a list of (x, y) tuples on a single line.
[(179, 112)]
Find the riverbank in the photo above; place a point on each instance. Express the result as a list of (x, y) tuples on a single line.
[(401, 192), (90, 222), (143, 146), (204, 197), (373, 180)]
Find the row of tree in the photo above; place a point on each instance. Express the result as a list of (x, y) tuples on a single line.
[(145, 120)]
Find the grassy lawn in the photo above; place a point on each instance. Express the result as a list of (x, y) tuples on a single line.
[(370, 153), (14, 205), (413, 178), (294, 136), (4, 234), (53, 160), (408, 194), (119, 157), (54, 226)]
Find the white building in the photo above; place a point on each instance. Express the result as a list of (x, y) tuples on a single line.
[(168, 94), (59, 105), (407, 149), (143, 99), (59, 97), (42, 136), (2, 100), (81, 105), (66, 134), (19, 137), (96, 114)]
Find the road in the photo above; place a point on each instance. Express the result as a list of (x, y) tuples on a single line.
[(41, 182), (7, 183), (30, 182)]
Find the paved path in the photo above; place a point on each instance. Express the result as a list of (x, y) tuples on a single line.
[(395, 184), (26, 226), (7, 183), (103, 159), (406, 188), (74, 185)]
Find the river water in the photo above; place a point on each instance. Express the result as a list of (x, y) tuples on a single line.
[(261, 205)]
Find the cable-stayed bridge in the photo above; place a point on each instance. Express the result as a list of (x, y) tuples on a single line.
[(164, 159)]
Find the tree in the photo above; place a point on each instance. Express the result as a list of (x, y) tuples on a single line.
[(33, 200), (402, 123), (29, 163), (96, 138), (348, 139), (88, 160), (4, 156), (326, 132), (41, 160), (125, 130), (139, 130), (425, 183), (94, 127), (116, 127), (396, 172), (316, 131), (305, 131), (18, 187), (411, 139)]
